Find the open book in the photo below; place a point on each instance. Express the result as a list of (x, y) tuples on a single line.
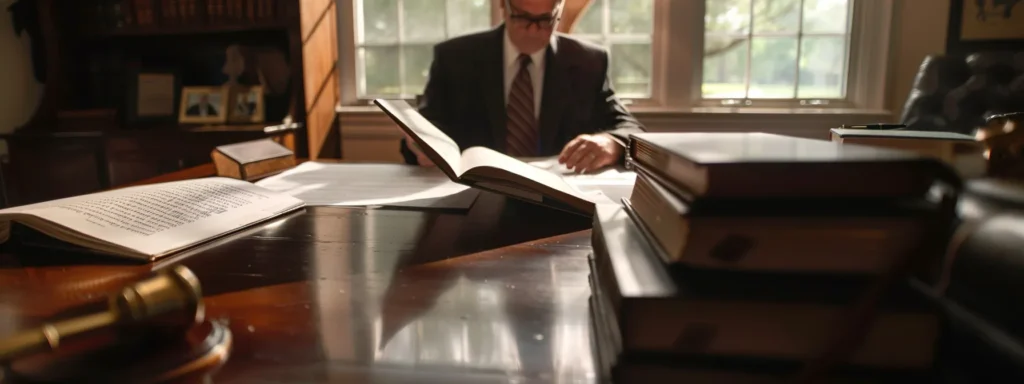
[(484, 168), (151, 221)]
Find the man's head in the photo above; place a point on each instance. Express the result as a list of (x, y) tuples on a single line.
[(204, 99), (531, 22)]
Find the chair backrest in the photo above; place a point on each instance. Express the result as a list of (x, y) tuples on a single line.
[(956, 94)]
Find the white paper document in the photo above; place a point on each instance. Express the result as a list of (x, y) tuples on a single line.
[(389, 185)]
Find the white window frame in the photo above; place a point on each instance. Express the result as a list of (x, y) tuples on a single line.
[(676, 77)]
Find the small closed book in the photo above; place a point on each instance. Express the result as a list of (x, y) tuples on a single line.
[(964, 153), (484, 168), (150, 221), (252, 160), (761, 165)]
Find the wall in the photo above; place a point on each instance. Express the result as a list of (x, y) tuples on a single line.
[(20, 92), (919, 29)]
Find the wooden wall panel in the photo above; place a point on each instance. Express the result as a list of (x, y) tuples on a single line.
[(321, 115), (320, 58), (310, 13)]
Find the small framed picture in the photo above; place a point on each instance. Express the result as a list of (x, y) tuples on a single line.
[(152, 95), (246, 104), (203, 105)]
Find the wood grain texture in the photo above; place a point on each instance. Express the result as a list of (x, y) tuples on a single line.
[(319, 60), (355, 295)]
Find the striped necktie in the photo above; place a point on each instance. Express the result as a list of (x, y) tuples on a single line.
[(521, 123)]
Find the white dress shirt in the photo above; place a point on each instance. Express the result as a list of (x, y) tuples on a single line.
[(536, 69)]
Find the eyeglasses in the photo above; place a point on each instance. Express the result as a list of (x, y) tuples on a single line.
[(525, 20)]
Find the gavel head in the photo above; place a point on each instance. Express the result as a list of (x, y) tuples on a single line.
[(172, 300)]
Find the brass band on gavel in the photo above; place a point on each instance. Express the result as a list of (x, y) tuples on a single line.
[(171, 299)]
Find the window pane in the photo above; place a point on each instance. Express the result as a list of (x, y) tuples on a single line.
[(465, 16), (416, 60), (825, 16), (631, 16), (822, 67), (592, 19), (380, 70), (772, 68), (631, 69), (727, 16), (423, 20), (776, 16), (380, 20), (725, 67)]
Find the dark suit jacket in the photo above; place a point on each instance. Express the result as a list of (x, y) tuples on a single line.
[(465, 94)]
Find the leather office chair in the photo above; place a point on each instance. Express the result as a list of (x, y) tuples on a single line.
[(956, 94), (983, 338)]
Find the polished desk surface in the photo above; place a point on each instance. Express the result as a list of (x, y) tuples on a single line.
[(330, 294)]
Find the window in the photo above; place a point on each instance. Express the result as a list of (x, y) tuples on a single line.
[(760, 53), (776, 49), (625, 28), (395, 40)]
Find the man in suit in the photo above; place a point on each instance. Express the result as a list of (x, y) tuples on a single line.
[(526, 91)]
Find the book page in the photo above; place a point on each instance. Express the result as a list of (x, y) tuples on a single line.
[(161, 218), (434, 143), (486, 157)]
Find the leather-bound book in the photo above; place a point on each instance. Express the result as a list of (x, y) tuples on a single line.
[(805, 235), (252, 160), (744, 165), (769, 322)]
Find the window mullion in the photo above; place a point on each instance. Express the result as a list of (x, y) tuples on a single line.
[(401, 53), (750, 53), (799, 49)]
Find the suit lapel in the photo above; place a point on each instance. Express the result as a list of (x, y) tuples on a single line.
[(493, 85), (554, 100)]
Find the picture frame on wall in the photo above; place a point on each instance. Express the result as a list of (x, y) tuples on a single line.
[(203, 105), (992, 20), (246, 104), (152, 96)]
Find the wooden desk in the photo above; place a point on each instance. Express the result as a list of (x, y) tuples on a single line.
[(353, 295)]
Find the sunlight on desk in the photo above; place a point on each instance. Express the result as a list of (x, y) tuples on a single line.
[(389, 185)]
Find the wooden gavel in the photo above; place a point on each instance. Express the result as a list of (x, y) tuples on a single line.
[(171, 299)]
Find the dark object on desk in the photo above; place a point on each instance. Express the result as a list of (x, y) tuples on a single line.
[(1003, 136), (152, 330), (252, 160), (171, 301), (874, 126)]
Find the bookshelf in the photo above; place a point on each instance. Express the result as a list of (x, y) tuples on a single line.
[(87, 134)]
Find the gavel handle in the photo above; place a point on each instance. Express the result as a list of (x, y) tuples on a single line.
[(48, 336)]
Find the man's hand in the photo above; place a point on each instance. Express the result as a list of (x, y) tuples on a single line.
[(590, 152), (422, 159)]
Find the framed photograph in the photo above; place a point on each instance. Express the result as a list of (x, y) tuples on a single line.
[(992, 20), (203, 105), (245, 104), (152, 95)]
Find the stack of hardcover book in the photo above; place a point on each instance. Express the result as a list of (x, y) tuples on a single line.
[(750, 257)]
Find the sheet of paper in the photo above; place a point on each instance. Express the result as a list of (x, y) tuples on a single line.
[(389, 185)]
